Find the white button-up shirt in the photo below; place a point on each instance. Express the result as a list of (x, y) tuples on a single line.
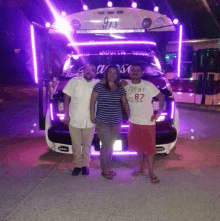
[(80, 92)]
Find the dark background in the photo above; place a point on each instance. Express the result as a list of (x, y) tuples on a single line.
[(200, 19)]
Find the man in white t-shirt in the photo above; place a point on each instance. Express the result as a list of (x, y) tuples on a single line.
[(77, 94), (141, 136)]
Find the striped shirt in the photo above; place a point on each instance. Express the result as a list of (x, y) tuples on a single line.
[(109, 109)]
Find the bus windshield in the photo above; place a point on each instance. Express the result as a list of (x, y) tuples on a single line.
[(123, 56)]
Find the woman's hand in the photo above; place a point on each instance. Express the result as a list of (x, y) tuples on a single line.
[(93, 120), (154, 117), (123, 83)]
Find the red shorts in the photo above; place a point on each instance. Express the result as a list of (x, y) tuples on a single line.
[(141, 138)]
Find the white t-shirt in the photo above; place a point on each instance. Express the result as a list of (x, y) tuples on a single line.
[(80, 92), (139, 98)]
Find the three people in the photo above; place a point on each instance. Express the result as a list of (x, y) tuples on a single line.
[(77, 94), (110, 98), (141, 136), (107, 115)]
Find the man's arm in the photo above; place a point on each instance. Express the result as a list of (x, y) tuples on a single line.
[(125, 105), (66, 109), (93, 100)]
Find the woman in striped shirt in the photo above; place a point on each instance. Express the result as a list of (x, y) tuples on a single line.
[(108, 118)]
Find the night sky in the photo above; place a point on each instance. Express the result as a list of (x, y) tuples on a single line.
[(200, 19)]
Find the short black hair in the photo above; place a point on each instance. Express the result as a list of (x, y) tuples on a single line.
[(139, 65), (118, 75)]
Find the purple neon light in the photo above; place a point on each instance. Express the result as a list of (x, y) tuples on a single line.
[(156, 9), (63, 14), (175, 21), (61, 23), (110, 4), (134, 5), (61, 115), (124, 126), (172, 113), (180, 50), (110, 43), (47, 24), (51, 111), (85, 7), (163, 114), (95, 153), (34, 53)]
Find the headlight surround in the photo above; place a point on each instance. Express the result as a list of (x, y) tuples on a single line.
[(155, 105), (60, 106)]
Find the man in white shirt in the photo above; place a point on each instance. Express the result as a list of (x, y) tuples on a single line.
[(77, 94), (141, 136)]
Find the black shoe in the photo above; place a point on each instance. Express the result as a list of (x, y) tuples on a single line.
[(85, 171), (76, 171)]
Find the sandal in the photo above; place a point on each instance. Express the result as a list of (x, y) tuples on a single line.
[(154, 179), (138, 172), (107, 175), (113, 173)]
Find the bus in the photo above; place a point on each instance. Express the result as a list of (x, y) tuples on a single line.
[(199, 80), (104, 36)]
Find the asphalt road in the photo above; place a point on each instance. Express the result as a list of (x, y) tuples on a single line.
[(36, 183)]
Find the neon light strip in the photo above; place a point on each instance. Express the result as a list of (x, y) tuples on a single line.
[(111, 31), (124, 125), (34, 53), (51, 111), (96, 153), (163, 114), (180, 50), (111, 43), (61, 115), (172, 113)]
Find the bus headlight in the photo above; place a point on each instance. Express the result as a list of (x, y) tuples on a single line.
[(160, 118)]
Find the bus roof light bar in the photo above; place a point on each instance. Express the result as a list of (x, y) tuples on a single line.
[(85, 7), (134, 4), (110, 43), (109, 4)]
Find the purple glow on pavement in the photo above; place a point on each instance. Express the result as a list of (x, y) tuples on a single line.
[(110, 4), (96, 153), (134, 5), (172, 111), (180, 50), (110, 43), (33, 43), (85, 7), (51, 111)]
